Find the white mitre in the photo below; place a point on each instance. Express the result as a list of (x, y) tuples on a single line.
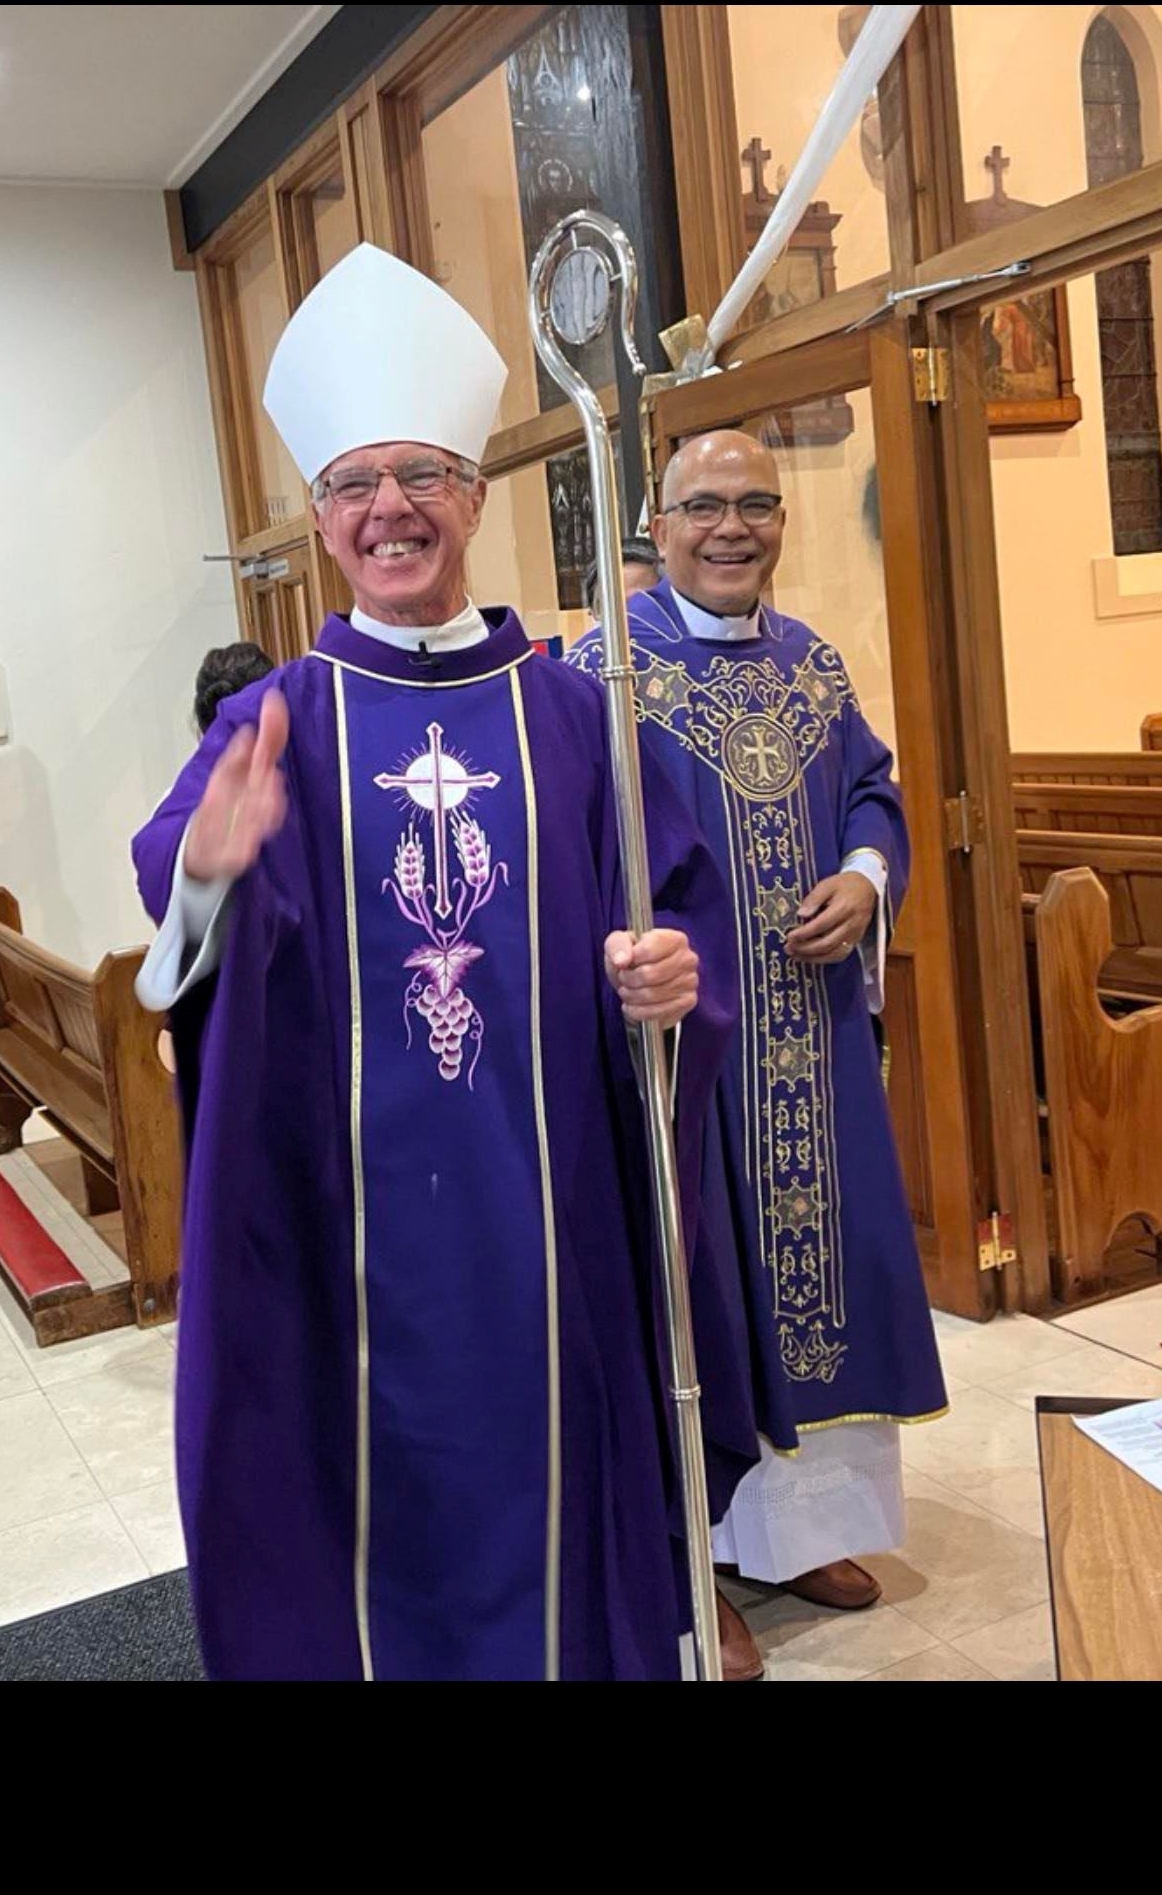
[(378, 352)]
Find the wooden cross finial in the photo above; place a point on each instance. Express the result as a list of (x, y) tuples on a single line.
[(998, 164), (755, 156)]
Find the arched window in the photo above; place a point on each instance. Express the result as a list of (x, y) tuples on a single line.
[(1125, 307)]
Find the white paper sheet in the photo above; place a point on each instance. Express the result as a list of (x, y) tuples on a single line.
[(1132, 1435)]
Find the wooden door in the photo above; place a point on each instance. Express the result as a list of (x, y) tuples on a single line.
[(861, 565), (282, 614)]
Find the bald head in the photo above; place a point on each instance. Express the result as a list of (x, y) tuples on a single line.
[(720, 530), (705, 456)]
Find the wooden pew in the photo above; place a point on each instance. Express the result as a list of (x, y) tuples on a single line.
[(1103, 1081), (1136, 769), (1129, 869), (1116, 809), (79, 1048)]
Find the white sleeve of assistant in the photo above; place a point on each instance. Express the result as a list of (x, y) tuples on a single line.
[(873, 949), (189, 942)]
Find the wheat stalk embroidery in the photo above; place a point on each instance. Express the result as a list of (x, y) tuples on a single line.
[(436, 991)]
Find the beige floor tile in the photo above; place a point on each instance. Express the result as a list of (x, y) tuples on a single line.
[(949, 1326), (121, 1420), (15, 1374), (69, 1361), (75, 1361), (1016, 1649), (1014, 1496), (984, 1435), (797, 1639), (51, 1563), (943, 1664), (1132, 1324), (1089, 1371), (150, 1517), (1002, 1347), (953, 1384), (961, 1568), (41, 1470)]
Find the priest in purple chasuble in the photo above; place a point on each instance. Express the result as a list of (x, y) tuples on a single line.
[(754, 718), (422, 1426)]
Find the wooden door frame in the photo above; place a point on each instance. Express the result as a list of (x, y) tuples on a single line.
[(996, 1005), (707, 164), (915, 586)]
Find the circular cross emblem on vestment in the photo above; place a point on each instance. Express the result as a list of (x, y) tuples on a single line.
[(759, 758)]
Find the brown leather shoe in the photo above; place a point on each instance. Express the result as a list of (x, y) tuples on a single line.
[(741, 1659), (843, 1586)]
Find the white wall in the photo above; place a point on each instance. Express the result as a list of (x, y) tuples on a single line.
[(109, 496)]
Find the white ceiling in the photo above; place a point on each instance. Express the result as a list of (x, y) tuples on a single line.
[(135, 95)]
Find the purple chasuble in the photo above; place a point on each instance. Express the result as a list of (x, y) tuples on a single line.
[(421, 1424), (765, 742)]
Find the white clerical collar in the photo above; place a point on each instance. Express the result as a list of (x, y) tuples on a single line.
[(702, 624), (467, 628)]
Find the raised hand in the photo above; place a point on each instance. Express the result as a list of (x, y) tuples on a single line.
[(833, 919), (655, 978), (245, 799)]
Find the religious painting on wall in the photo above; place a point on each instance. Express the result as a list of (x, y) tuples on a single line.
[(552, 79), (1028, 377), (571, 514), (1026, 359)]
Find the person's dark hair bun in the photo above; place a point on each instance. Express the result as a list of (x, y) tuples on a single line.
[(225, 670)]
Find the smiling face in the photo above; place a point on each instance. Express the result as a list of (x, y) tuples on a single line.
[(723, 567), (401, 547)]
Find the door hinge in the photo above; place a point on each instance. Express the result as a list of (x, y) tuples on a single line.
[(963, 822), (996, 1244), (931, 375)]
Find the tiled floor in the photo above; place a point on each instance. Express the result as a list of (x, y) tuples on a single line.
[(87, 1498), (968, 1596)]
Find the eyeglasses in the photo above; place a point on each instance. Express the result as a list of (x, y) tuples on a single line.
[(708, 509), (416, 480)]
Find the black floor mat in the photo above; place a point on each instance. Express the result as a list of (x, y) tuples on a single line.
[(141, 1635)]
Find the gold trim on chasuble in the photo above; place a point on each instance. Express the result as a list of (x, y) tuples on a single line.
[(759, 732), (363, 1414), (553, 1337), (363, 1395)]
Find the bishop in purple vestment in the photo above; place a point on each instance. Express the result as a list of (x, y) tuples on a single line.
[(753, 717), (422, 1430)]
